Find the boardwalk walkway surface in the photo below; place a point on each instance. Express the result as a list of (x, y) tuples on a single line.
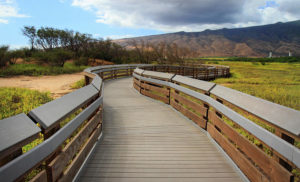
[(144, 140)]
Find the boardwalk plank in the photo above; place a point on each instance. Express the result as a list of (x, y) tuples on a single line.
[(146, 140)]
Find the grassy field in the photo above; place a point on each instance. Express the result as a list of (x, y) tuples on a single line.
[(17, 100), (276, 82), (36, 70), (78, 84)]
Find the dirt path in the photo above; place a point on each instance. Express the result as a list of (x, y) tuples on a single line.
[(56, 85)]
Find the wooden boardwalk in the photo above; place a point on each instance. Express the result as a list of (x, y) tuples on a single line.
[(144, 140)]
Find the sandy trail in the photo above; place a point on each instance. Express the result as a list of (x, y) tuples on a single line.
[(57, 85)]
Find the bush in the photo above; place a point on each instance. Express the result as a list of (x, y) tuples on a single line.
[(263, 63), (14, 55), (266, 60), (28, 52), (55, 57), (81, 61), (36, 70), (41, 57), (60, 56), (4, 58)]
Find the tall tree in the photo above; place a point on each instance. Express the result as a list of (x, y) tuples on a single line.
[(30, 32), (48, 38)]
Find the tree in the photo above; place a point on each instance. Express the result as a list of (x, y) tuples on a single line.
[(14, 55), (143, 50), (160, 52), (61, 56), (30, 32), (54, 57), (173, 54), (48, 38), (3, 56), (65, 38)]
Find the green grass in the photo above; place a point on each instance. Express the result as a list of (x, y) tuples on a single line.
[(276, 82), (37, 70), (78, 84), (17, 100), (249, 59), (33, 144), (263, 60)]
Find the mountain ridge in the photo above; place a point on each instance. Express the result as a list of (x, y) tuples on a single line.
[(255, 41)]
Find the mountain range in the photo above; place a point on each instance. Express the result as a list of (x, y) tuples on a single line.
[(257, 41)]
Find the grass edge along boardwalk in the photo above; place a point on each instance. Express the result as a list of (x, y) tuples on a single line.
[(144, 140)]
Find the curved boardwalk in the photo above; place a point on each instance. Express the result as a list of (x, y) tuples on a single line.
[(144, 140)]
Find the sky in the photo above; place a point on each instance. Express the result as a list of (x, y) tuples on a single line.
[(116, 19)]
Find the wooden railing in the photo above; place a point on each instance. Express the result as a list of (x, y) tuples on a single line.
[(204, 72), (261, 137), (67, 128)]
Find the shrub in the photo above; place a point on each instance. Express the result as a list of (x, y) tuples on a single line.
[(14, 55), (60, 56), (36, 70), (263, 63), (81, 61), (55, 57), (3, 56)]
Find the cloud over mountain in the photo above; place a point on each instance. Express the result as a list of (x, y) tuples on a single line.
[(257, 41), (190, 15)]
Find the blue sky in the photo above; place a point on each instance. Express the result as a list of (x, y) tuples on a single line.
[(128, 18), (60, 14)]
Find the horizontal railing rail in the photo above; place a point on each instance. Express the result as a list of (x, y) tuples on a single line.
[(261, 154), (64, 146), (205, 72), (69, 127), (66, 129)]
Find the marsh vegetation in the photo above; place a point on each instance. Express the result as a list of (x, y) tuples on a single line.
[(275, 82)]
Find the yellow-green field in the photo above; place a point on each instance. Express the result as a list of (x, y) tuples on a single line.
[(276, 82), (17, 100)]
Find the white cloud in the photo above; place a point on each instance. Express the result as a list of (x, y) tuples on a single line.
[(8, 9), (190, 15), (3, 21), (118, 36), (112, 37), (17, 46)]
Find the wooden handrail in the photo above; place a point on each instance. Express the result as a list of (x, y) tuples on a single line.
[(85, 127), (51, 113), (82, 110), (272, 159)]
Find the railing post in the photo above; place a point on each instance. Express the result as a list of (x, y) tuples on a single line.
[(87, 80)]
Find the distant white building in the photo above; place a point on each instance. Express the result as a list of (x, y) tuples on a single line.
[(270, 55), (290, 54)]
